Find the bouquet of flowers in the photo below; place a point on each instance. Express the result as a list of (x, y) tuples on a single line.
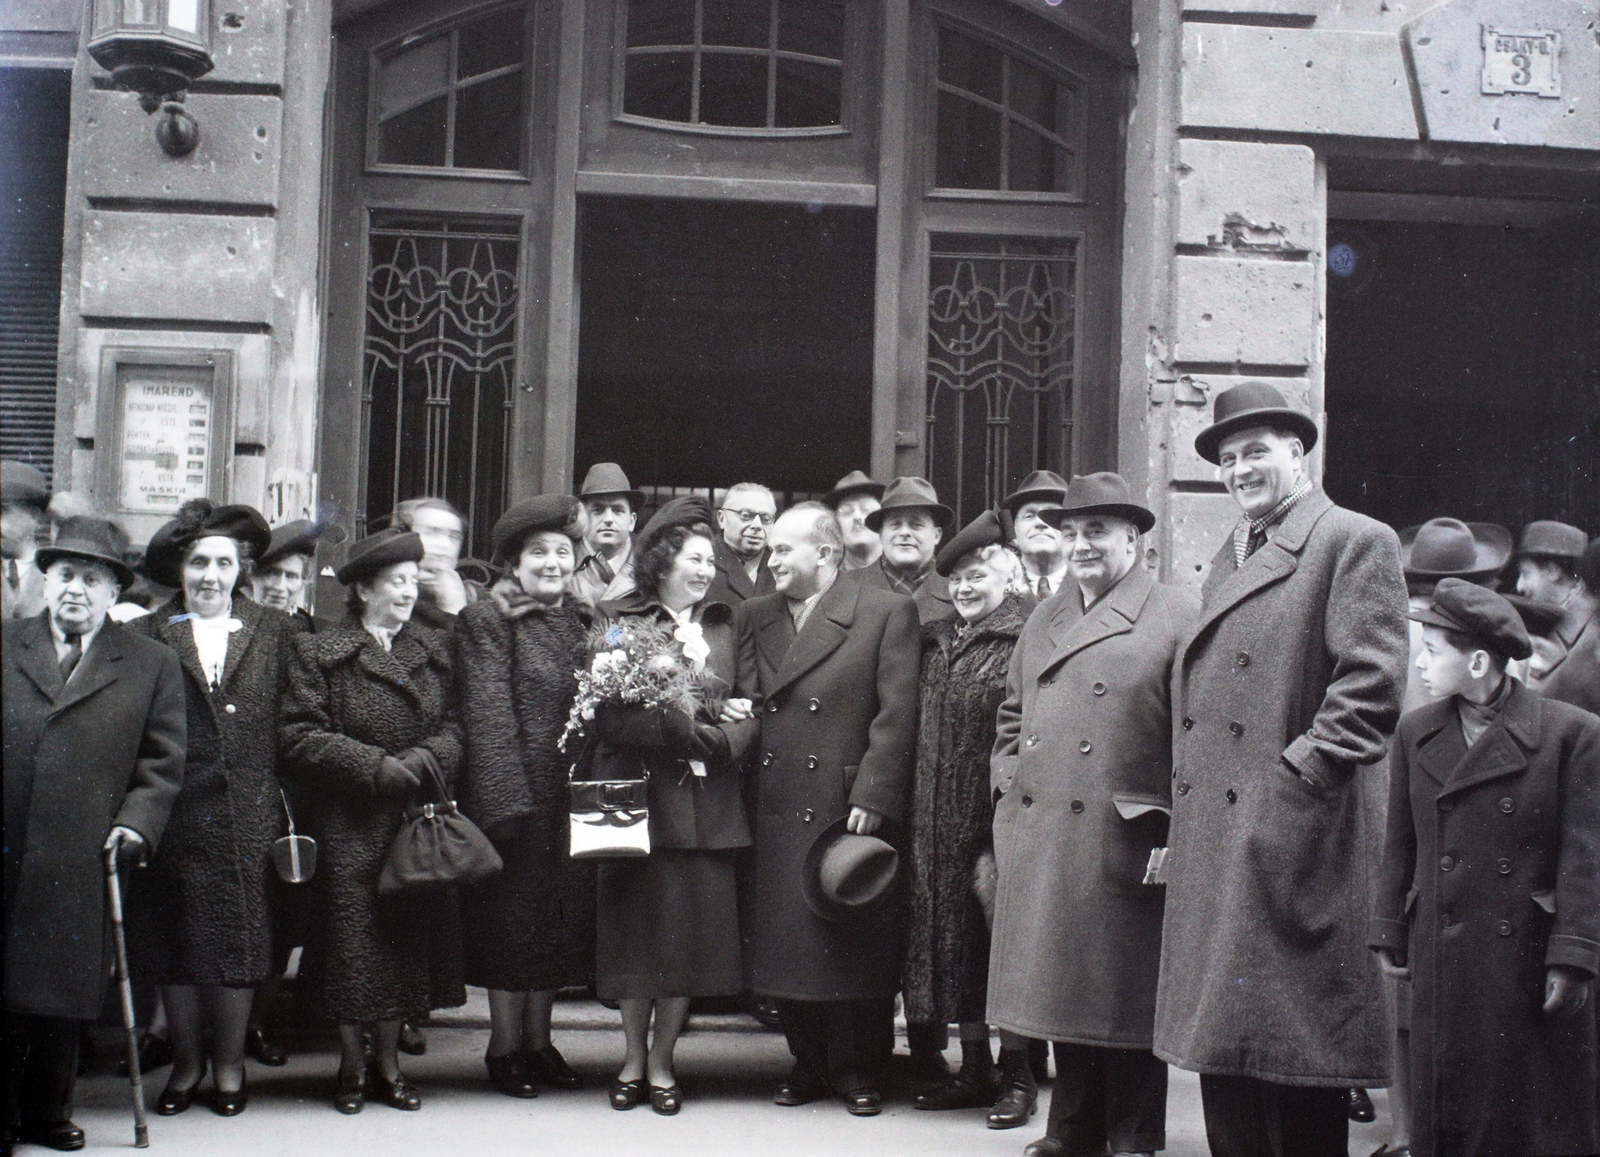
[(638, 662)]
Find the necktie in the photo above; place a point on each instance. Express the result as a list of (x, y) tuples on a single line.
[(69, 661), (1044, 587), (603, 569)]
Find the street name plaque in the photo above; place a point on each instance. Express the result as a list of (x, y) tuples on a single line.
[(1521, 62)]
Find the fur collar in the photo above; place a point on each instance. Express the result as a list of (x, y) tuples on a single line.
[(515, 603)]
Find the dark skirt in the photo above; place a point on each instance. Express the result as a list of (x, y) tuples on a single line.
[(668, 925), (530, 926)]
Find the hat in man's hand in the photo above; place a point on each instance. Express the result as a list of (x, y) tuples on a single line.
[(1479, 613), (375, 552), (94, 539), (1550, 539), (849, 486), (605, 478), (845, 875), (1106, 493), (910, 494), (1448, 546), (1040, 486), (1245, 406)]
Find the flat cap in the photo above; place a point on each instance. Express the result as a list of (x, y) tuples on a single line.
[(547, 513), (376, 551), (1480, 613), (1550, 539), (987, 529)]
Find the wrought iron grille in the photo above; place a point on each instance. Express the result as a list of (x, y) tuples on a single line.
[(1002, 356), (440, 359)]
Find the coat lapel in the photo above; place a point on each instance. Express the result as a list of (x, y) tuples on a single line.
[(250, 614), (824, 631), (180, 637), (738, 578), (96, 670), (1502, 749), (1441, 746), (38, 654), (1071, 630)]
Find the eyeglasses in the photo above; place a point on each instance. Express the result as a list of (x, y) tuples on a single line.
[(752, 516)]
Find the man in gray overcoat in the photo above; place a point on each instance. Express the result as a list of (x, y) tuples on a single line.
[(1287, 694), (831, 667), (1082, 765), (95, 735)]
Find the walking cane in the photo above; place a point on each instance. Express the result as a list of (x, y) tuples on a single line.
[(141, 1131)]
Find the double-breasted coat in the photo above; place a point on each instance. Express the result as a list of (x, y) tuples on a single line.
[(838, 709), (952, 813), (105, 749), (199, 914), (529, 926), (1082, 765), (733, 584), (1288, 692), (1491, 873), (349, 704)]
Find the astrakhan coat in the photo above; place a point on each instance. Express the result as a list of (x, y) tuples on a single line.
[(106, 750), (838, 710), (529, 927), (952, 812), (349, 704), (199, 914), (1288, 693), (1491, 873), (1083, 762)]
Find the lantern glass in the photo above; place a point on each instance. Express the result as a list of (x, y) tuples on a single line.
[(183, 16)]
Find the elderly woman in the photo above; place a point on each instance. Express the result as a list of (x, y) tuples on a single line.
[(669, 922), (952, 877), (529, 929), (200, 923), (370, 712)]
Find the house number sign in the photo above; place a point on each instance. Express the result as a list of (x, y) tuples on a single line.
[(1521, 62)]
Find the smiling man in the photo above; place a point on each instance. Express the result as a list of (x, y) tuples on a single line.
[(748, 511), (1287, 694), (1044, 559)]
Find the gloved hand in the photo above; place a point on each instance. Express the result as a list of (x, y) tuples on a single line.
[(395, 778), (677, 733), (710, 744), (419, 761), (128, 844)]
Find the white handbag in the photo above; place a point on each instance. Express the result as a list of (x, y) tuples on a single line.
[(609, 818)]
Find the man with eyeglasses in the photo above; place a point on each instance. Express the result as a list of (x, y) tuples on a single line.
[(747, 512)]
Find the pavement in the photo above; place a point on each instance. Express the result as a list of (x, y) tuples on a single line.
[(727, 1067)]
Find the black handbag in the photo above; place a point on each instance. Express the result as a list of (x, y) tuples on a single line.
[(436, 844)]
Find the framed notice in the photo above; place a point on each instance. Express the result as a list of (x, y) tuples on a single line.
[(169, 413)]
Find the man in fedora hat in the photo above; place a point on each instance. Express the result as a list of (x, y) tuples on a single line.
[(852, 498), (95, 735), (1551, 568), (611, 504), (1445, 548), (1038, 541), (909, 524), (1083, 769), (831, 669), (1287, 694), (747, 512)]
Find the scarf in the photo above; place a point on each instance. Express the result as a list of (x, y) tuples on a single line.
[(1251, 533)]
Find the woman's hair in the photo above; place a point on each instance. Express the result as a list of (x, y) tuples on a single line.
[(191, 528), (401, 518), (658, 555), (1002, 554), (354, 605)]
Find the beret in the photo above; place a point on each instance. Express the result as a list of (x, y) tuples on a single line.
[(1550, 539), (984, 530), (546, 513), (686, 510), (376, 551), (163, 558), (1479, 612)]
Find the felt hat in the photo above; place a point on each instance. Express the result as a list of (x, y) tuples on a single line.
[(1251, 404), (163, 558), (1103, 493), (1479, 613), (1448, 546), (1549, 539), (845, 875), (546, 513), (608, 478), (376, 551), (95, 539), (297, 537), (1541, 618), (1040, 486), (850, 485), (685, 510), (908, 493), (985, 530), (22, 485)]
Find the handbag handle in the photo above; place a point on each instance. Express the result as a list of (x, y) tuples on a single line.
[(287, 811), (436, 776)]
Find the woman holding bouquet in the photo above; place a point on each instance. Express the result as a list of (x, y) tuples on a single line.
[(668, 923), (529, 929)]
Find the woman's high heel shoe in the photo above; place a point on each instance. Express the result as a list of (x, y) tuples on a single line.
[(230, 1104), (626, 1094), (666, 1100), (173, 1101), (352, 1092), (398, 1093)]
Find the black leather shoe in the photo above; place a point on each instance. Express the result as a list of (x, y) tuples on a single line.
[(864, 1102), (509, 1076), (1046, 1147), (352, 1094), (666, 1101), (800, 1087), (412, 1042), (626, 1095), (265, 1051), (968, 1089), (60, 1135), (397, 1094), (925, 1067), (229, 1104), (173, 1101), (548, 1065), (1359, 1105), (1020, 1093)]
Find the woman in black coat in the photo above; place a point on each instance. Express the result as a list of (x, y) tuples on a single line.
[(528, 929), (199, 923), (669, 922), (370, 713)]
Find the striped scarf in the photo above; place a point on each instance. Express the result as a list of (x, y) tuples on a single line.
[(1251, 533)]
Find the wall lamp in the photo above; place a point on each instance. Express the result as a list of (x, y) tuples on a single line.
[(156, 48)]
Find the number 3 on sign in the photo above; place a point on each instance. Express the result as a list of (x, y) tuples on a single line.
[(1521, 62)]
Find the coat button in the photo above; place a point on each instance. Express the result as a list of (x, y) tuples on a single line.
[(1032, 739), (767, 759), (1027, 801), (1188, 724), (1242, 659), (1504, 928), (230, 709), (814, 705), (772, 706), (1444, 919), (1098, 688), (811, 763), (1085, 746), (1236, 727), (1231, 796), (807, 816), (1183, 787), (1508, 805), (1077, 806), (1504, 867), (1046, 680), (1447, 805), (1446, 863)]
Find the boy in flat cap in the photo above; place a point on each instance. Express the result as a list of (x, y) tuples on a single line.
[(1489, 894)]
